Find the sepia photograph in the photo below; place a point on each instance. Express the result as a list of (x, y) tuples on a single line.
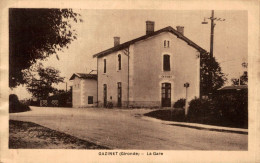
[(129, 82), (128, 79)]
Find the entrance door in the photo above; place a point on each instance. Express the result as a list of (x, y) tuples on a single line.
[(166, 94), (119, 94), (105, 95)]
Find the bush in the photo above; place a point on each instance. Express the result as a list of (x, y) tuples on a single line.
[(225, 109), (232, 108), (178, 114), (179, 103), (199, 109), (15, 105), (109, 105)]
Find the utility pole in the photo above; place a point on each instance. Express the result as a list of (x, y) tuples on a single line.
[(212, 34), (212, 19)]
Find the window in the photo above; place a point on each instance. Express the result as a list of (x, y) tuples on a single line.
[(105, 65), (119, 61), (166, 62), (90, 99), (166, 43)]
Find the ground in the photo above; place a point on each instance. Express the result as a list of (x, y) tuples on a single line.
[(30, 135), (128, 129)]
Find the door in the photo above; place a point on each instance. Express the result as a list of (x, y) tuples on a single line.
[(105, 95), (119, 94), (166, 94)]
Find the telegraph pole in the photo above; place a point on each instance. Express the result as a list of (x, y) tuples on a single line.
[(212, 19), (212, 33)]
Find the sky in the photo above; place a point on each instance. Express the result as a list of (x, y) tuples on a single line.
[(98, 28)]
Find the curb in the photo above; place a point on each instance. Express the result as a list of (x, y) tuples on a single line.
[(200, 126)]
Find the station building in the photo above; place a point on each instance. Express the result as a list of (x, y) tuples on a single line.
[(149, 71)]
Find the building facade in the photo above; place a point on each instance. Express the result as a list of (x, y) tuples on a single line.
[(84, 90), (149, 71)]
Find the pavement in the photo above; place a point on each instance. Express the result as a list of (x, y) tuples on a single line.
[(129, 129), (201, 126)]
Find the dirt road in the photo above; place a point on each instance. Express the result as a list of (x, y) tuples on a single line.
[(126, 129)]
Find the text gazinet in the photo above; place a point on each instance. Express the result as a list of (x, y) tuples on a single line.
[(119, 153)]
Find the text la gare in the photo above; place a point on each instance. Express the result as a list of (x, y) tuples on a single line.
[(154, 153)]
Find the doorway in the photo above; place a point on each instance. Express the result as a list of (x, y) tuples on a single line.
[(105, 94), (119, 94), (166, 94)]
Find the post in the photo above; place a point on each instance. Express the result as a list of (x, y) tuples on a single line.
[(186, 102), (212, 19), (211, 47), (212, 34), (186, 85)]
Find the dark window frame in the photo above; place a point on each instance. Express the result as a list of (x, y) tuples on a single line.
[(166, 62), (90, 100), (105, 66), (119, 59)]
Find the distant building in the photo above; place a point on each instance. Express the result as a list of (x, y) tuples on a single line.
[(149, 71), (84, 90), (232, 89)]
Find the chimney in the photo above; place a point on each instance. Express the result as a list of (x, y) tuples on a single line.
[(149, 27), (180, 29), (116, 41)]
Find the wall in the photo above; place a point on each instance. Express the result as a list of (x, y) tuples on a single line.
[(88, 88), (112, 77), (82, 88), (76, 93), (148, 70)]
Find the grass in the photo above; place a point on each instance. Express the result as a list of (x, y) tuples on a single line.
[(28, 135), (168, 114), (177, 115)]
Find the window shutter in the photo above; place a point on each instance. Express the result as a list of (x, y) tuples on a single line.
[(105, 65), (119, 62), (166, 63)]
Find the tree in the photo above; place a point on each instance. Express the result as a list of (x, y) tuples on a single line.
[(42, 87), (35, 34), (210, 67), (243, 79)]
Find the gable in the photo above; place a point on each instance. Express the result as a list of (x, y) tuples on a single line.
[(167, 29)]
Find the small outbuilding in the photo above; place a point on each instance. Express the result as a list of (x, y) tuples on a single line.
[(233, 89), (84, 90)]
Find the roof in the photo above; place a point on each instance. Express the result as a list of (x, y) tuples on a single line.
[(237, 87), (84, 76), (166, 29)]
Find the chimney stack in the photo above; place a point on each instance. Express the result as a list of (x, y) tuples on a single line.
[(180, 29), (116, 41), (149, 27)]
